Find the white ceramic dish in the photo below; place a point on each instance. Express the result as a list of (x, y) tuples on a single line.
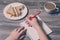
[(24, 12)]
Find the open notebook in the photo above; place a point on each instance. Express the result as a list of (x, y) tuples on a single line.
[(32, 33)]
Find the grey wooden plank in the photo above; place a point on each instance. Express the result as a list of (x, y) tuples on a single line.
[(52, 21), (55, 37), (30, 0)]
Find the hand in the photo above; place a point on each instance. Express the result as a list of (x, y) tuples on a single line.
[(17, 34), (35, 24), (32, 22)]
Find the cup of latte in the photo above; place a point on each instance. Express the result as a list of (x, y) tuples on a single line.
[(49, 6)]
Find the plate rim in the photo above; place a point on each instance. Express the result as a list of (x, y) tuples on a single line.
[(27, 11)]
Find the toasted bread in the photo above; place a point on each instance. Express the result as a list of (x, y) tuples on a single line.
[(15, 11), (10, 11)]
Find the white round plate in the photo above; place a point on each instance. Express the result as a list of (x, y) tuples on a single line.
[(24, 12)]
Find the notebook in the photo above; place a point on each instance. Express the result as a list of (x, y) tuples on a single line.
[(31, 31)]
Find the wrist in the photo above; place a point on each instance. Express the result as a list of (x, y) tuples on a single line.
[(9, 38), (36, 25)]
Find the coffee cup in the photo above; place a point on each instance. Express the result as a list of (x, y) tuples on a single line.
[(49, 6)]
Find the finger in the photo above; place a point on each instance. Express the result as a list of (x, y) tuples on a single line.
[(30, 15), (28, 23), (15, 29), (20, 29), (27, 20), (22, 37)]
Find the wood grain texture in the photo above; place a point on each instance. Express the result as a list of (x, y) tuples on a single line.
[(53, 21)]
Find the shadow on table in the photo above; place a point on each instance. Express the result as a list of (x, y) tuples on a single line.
[(40, 23)]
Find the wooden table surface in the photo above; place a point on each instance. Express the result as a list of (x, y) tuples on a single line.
[(53, 21)]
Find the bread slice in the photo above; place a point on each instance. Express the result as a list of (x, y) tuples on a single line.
[(19, 9), (15, 11), (10, 11)]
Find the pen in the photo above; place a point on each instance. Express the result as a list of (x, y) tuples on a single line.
[(30, 18)]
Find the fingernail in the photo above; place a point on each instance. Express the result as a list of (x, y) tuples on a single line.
[(25, 29), (22, 27)]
